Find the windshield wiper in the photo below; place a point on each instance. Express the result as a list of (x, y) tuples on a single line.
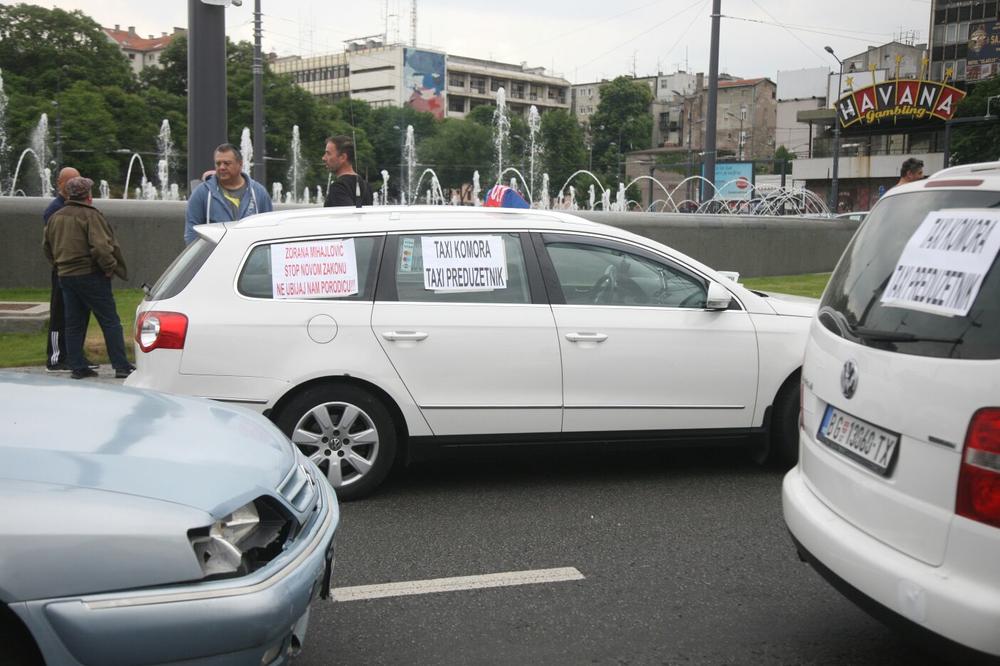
[(876, 335)]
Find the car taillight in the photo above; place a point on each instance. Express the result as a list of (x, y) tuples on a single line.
[(160, 330), (979, 478)]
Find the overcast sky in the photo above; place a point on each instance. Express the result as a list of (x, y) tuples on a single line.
[(583, 40)]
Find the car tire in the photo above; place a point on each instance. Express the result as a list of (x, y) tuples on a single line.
[(323, 421), (784, 435)]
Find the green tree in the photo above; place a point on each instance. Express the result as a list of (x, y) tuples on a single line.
[(171, 75), (42, 50), (88, 133), (783, 153), (44, 55), (976, 142), (621, 123), (564, 149), (387, 133), (457, 149)]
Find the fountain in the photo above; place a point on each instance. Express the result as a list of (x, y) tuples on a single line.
[(246, 148), (40, 144), (476, 188), (384, 200), (276, 188), (3, 129), (128, 176), (319, 194), (534, 147), (410, 159), (104, 189), (297, 166), (501, 127), (544, 204), (165, 150), (305, 195)]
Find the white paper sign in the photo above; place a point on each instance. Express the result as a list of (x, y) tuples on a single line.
[(314, 269), (464, 263), (945, 261)]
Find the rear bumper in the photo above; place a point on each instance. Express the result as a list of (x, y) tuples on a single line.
[(942, 604), (259, 619)]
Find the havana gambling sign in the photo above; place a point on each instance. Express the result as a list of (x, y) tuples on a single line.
[(899, 103)]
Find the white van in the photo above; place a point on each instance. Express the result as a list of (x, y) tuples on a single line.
[(896, 496)]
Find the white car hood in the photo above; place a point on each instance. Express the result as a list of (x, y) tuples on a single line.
[(792, 306)]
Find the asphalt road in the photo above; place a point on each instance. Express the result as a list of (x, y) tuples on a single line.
[(684, 554)]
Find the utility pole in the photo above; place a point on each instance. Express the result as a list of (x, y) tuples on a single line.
[(835, 176), (206, 107), (713, 95), (260, 144)]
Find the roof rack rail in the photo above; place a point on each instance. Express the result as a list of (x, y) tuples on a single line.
[(966, 169)]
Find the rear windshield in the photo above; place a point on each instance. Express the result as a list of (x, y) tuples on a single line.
[(179, 273), (851, 306)]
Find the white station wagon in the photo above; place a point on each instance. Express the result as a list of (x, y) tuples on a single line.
[(367, 333), (896, 497)]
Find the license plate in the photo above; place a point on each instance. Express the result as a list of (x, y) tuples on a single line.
[(867, 444)]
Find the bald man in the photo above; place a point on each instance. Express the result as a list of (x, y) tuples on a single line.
[(55, 347)]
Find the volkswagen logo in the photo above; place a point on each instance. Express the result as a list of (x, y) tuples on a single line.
[(849, 379)]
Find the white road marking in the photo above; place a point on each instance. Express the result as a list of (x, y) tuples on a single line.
[(455, 584)]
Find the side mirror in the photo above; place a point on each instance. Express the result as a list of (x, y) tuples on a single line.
[(718, 297)]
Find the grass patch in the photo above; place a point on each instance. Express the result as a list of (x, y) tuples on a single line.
[(20, 349), (810, 284)]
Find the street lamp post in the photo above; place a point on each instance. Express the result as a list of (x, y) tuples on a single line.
[(835, 180), (260, 143)]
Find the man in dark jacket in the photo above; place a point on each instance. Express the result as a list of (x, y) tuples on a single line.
[(82, 247), (349, 189), (55, 346)]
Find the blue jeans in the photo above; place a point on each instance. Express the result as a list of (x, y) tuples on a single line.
[(91, 293)]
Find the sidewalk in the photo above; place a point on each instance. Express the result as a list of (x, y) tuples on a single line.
[(106, 374)]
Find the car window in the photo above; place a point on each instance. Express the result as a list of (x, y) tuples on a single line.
[(852, 308), (318, 268), (596, 274), (485, 267), (182, 270)]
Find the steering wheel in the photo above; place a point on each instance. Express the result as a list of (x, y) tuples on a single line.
[(693, 300), (603, 289)]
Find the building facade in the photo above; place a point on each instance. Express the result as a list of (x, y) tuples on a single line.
[(745, 121), (427, 80), (960, 32), (473, 82), (141, 52), (799, 90)]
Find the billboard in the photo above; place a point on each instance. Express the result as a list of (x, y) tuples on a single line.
[(900, 102), (733, 179), (423, 81), (984, 51)]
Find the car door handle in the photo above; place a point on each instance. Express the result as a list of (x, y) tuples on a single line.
[(586, 337), (395, 336)]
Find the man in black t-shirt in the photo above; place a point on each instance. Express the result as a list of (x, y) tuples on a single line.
[(349, 189)]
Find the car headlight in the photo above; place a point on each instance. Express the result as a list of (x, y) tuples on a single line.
[(242, 542)]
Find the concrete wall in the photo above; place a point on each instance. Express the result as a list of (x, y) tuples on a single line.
[(151, 235), (865, 166), (754, 246)]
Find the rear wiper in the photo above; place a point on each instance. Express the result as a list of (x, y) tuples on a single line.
[(876, 335), (146, 289)]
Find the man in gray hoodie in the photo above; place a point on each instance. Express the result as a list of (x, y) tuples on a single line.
[(227, 196)]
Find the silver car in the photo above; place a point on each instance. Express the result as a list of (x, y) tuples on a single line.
[(142, 528)]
